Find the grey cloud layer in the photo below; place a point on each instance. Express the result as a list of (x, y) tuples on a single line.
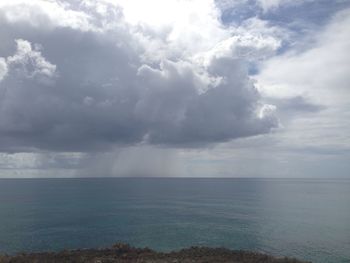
[(87, 88)]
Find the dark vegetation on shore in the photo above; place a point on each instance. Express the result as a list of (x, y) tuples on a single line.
[(123, 253)]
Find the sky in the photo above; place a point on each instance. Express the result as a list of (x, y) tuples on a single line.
[(185, 88)]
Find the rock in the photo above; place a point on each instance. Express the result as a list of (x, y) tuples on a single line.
[(124, 253)]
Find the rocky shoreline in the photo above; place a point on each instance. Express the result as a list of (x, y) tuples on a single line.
[(123, 253)]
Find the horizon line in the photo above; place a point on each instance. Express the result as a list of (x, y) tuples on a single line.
[(177, 177)]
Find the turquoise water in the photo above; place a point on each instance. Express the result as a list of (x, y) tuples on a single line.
[(307, 219)]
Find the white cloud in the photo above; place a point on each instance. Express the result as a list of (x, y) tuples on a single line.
[(320, 73), (311, 86), (44, 14), (3, 68), (30, 62)]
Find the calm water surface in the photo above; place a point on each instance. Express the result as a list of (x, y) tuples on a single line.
[(307, 219)]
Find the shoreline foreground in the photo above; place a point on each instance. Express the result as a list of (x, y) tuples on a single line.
[(124, 253)]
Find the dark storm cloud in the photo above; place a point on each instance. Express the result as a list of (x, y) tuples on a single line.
[(67, 89)]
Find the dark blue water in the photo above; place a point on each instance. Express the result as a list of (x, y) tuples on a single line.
[(307, 219)]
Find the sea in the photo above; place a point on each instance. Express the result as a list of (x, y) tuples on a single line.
[(304, 218)]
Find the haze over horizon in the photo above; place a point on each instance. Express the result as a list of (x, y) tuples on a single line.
[(188, 88)]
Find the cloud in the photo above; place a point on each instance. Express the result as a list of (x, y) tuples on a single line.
[(268, 5), (44, 14), (3, 68), (118, 88), (263, 5), (86, 76), (319, 72), (310, 86), (30, 63), (296, 104)]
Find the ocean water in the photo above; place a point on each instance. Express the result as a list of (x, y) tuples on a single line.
[(307, 219)]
